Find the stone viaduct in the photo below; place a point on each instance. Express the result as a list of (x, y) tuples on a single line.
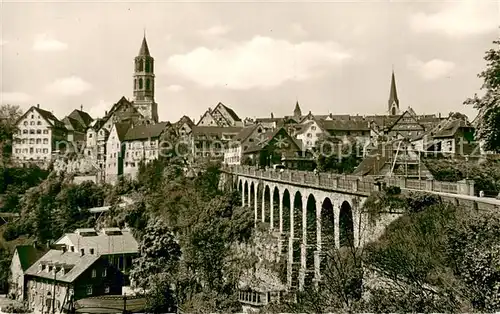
[(311, 213)]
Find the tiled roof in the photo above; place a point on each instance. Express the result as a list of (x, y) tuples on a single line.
[(246, 132), (122, 129), (449, 128), (104, 244), (47, 115), (215, 130), (267, 137), (230, 111), (73, 124), (73, 262), (147, 131), (84, 118), (185, 119), (29, 254), (345, 125)]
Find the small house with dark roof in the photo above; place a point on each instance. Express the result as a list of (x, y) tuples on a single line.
[(454, 136), (39, 135), (184, 126), (247, 137), (278, 148), (60, 278), (81, 116), (24, 256)]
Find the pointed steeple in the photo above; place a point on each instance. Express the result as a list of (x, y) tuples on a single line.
[(144, 51), (393, 104), (297, 112)]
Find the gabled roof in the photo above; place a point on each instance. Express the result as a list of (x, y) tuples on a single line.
[(73, 262), (122, 129), (29, 254), (406, 113), (73, 124), (46, 115), (122, 102), (143, 132), (185, 119), (246, 132), (102, 243), (208, 112), (230, 111), (84, 118), (451, 127), (267, 137)]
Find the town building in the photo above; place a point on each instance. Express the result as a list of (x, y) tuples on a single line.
[(211, 141), (144, 84), (61, 277), (141, 144), (39, 135), (117, 246), (24, 256), (221, 116), (247, 137), (115, 151)]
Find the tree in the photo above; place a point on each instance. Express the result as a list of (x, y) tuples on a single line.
[(156, 267), (9, 114), (488, 122)]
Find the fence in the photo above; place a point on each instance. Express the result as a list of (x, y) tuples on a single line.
[(359, 184)]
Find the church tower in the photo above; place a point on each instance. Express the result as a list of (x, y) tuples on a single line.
[(393, 105), (297, 113), (144, 84)]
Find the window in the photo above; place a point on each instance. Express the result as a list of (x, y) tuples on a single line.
[(25, 131), (32, 123), (313, 128), (45, 150), (104, 272), (39, 123), (140, 83), (309, 135), (38, 131), (32, 131), (90, 135), (92, 251), (148, 67), (45, 141), (106, 289), (25, 122), (32, 141), (89, 290), (72, 248), (148, 84), (45, 131), (94, 272), (38, 140)]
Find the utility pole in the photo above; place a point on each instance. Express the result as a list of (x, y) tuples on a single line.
[(124, 304), (54, 292)]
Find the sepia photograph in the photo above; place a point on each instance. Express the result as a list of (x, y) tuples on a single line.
[(249, 156)]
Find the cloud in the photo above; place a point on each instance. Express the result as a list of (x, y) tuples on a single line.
[(69, 86), (431, 70), (100, 108), (298, 30), (14, 98), (45, 43), (175, 88), (459, 18), (259, 63), (217, 30)]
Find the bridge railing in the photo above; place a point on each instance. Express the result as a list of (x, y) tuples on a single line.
[(363, 184)]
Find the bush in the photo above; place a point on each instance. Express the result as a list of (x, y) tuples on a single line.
[(393, 190), (419, 201), (15, 309)]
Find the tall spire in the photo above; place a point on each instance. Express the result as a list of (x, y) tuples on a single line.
[(297, 112), (144, 51), (393, 96)]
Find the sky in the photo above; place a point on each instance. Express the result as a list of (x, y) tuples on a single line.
[(257, 57)]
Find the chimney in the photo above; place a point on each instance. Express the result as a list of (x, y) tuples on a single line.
[(106, 113), (81, 107), (272, 115), (38, 105), (440, 115)]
